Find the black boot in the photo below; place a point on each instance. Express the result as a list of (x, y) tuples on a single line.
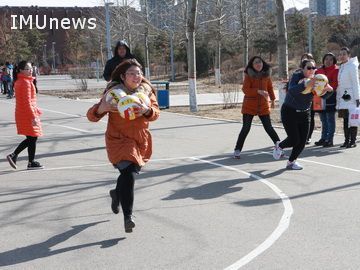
[(347, 137), (129, 223), (114, 201), (353, 133)]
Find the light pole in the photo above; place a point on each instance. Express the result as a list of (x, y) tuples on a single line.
[(53, 56), (44, 56), (107, 19), (310, 31)]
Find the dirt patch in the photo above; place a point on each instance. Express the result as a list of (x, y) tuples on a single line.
[(218, 112), (74, 94)]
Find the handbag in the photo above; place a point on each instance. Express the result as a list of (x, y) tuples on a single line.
[(354, 117)]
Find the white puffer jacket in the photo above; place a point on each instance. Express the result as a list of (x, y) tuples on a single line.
[(348, 80)]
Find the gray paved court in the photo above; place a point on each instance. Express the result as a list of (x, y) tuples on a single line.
[(195, 206)]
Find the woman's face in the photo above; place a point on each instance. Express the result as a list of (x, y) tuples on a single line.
[(258, 64), (133, 77), (343, 56), (121, 51), (329, 61), (309, 70), (27, 71)]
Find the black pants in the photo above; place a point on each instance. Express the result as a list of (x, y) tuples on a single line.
[(349, 132), (312, 124), (297, 126), (247, 119), (125, 188), (30, 144)]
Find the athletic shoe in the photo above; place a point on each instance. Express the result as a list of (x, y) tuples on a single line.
[(129, 224), (34, 165), (351, 145), (114, 201), (237, 154), (12, 160), (293, 165), (277, 152), (308, 141)]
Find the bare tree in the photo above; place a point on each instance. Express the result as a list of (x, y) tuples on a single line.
[(282, 40), (191, 6)]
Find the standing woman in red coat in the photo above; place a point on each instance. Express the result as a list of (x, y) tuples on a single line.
[(27, 116), (257, 88)]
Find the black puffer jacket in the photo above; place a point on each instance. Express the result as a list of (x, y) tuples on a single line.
[(116, 60)]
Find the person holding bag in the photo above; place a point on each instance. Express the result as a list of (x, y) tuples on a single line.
[(348, 93)]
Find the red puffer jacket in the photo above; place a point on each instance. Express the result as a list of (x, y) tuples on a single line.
[(26, 109), (254, 103)]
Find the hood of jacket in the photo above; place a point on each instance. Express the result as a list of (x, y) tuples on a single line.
[(122, 43)]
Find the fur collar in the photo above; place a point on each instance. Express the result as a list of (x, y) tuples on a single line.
[(262, 74), (144, 88)]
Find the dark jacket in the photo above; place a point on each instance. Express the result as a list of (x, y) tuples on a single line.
[(294, 98), (112, 63)]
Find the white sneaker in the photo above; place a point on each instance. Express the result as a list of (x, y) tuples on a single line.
[(237, 154), (293, 165), (278, 152)]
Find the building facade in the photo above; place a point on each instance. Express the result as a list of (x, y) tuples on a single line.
[(325, 7), (355, 7)]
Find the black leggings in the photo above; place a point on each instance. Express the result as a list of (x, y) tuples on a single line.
[(125, 188), (247, 119), (30, 143), (312, 125), (297, 126)]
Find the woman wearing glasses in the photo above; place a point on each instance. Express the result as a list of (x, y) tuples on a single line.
[(128, 142), (27, 116), (347, 95), (295, 114)]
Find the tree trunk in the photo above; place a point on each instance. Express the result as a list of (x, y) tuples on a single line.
[(191, 20), (282, 41), (146, 34)]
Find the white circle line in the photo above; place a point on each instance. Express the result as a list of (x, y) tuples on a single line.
[(280, 229)]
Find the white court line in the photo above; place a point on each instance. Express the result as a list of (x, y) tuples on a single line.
[(280, 229), (323, 164), (72, 128)]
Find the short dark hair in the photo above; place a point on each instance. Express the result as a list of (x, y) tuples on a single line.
[(305, 61), (333, 57), (345, 49)]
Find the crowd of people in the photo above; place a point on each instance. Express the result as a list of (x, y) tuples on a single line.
[(129, 143), (299, 107)]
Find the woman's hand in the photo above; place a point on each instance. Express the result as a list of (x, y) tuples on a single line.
[(141, 109), (35, 122), (264, 93), (106, 107), (272, 104), (328, 88)]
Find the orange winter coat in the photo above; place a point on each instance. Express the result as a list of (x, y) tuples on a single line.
[(254, 103), (26, 109), (125, 139)]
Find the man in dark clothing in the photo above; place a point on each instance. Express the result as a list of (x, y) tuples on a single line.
[(121, 52)]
